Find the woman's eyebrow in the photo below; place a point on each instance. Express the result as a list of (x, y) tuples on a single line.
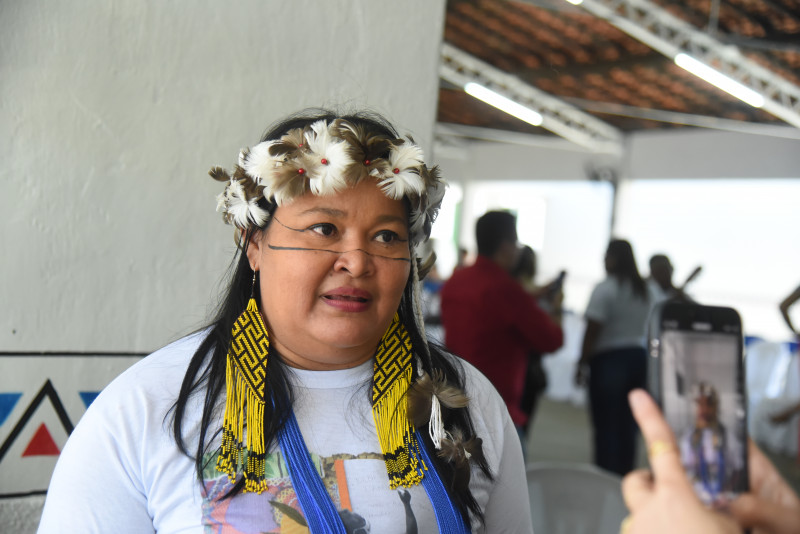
[(382, 219), (334, 212)]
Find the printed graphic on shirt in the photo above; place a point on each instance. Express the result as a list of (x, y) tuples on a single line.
[(357, 484)]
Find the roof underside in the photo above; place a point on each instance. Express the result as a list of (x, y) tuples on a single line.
[(589, 63)]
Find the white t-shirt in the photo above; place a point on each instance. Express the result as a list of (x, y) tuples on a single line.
[(121, 471), (622, 313)]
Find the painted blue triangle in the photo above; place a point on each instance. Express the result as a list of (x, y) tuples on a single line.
[(7, 403), (88, 397)]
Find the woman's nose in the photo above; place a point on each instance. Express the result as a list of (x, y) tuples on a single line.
[(357, 262)]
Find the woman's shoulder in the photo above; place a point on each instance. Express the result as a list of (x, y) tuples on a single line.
[(485, 402), (605, 290), (609, 284), (157, 376)]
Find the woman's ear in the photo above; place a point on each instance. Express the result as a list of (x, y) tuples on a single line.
[(254, 249)]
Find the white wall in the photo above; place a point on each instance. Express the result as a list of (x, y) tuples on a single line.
[(697, 153), (112, 112)]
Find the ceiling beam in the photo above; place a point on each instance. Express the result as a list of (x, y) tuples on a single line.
[(688, 119), (670, 35), (448, 132), (561, 118)]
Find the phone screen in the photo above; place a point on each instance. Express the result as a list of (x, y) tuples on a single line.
[(704, 402)]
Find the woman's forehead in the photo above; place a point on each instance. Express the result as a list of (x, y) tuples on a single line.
[(364, 198)]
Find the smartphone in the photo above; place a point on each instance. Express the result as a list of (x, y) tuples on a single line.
[(696, 374)]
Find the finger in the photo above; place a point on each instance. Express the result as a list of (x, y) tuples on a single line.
[(758, 466), (752, 512), (625, 526), (745, 509), (765, 481), (661, 446), (637, 486)]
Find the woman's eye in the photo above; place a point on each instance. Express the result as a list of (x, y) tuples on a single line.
[(387, 236), (323, 229)]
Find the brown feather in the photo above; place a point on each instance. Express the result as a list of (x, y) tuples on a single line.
[(288, 182), (430, 175), (452, 450), (362, 148), (474, 446), (459, 453), (290, 145), (424, 266), (219, 174), (251, 188), (377, 147), (419, 400), (240, 174), (421, 392), (448, 395)]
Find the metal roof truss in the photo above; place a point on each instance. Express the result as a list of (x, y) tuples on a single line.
[(561, 118), (670, 35)]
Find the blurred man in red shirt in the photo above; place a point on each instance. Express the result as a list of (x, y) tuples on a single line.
[(488, 317)]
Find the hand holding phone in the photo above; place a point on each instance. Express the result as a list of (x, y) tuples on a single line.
[(663, 501), (696, 374)]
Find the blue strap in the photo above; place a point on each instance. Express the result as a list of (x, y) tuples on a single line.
[(448, 517), (317, 506)]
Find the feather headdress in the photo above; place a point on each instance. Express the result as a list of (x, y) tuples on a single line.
[(323, 158)]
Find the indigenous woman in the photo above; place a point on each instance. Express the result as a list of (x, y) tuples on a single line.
[(313, 401)]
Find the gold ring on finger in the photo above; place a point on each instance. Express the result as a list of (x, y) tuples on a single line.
[(625, 525), (659, 447)]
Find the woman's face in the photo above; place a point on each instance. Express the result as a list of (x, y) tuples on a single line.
[(332, 270)]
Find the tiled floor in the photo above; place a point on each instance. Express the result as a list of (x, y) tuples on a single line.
[(561, 433)]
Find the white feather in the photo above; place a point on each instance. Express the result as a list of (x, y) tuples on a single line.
[(282, 196), (436, 424), (329, 178), (242, 211), (318, 137), (257, 214), (238, 208), (405, 159), (405, 156), (222, 200), (259, 163), (396, 186), (349, 127)]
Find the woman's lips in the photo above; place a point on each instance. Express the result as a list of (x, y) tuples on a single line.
[(348, 299)]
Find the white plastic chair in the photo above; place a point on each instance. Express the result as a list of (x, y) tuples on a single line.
[(773, 384), (573, 498)]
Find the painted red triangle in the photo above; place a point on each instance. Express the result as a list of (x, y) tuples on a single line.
[(42, 444)]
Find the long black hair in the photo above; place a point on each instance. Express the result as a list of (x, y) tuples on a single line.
[(206, 370), (623, 266)]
